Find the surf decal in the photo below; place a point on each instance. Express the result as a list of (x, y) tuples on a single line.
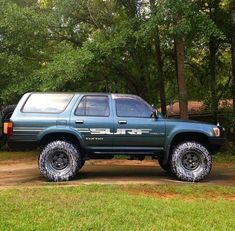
[(121, 131)]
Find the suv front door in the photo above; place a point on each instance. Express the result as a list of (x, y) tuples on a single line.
[(135, 129)]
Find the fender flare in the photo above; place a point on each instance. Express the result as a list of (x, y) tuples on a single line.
[(57, 130), (168, 144)]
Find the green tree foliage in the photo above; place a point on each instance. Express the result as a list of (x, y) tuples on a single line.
[(112, 46)]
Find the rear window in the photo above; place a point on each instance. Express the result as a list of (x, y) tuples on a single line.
[(47, 103)]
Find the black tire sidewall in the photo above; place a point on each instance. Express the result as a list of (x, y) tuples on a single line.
[(7, 112), (70, 171), (190, 175), (82, 164), (166, 166)]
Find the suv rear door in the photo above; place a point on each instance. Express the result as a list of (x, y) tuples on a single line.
[(93, 119)]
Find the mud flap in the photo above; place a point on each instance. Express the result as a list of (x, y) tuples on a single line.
[(166, 155)]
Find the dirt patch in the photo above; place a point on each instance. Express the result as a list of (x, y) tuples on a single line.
[(230, 164), (153, 194), (123, 162), (206, 195), (24, 172)]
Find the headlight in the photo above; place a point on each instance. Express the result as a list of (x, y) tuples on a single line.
[(216, 131)]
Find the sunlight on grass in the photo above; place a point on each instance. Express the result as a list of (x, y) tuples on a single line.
[(111, 207)]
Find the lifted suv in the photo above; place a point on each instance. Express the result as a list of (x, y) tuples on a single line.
[(74, 127)]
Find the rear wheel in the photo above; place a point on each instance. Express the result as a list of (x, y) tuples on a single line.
[(60, 161), (190, 161)]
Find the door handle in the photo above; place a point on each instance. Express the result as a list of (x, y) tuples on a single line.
[(79, 122), (122, 122)]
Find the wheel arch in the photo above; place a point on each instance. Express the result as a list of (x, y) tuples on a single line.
[(199, 137), (60, 135)]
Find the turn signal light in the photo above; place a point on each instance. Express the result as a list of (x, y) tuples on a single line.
[(8, 128), (216, 131)]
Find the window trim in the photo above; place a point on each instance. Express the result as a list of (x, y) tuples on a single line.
[(135, 98), (105, 96), (44, 93)]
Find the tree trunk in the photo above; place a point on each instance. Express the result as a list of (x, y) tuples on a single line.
[(233, 60), (183, 101), (212, 66), (213, 48), (159, 62), (233, 50), (160, 74), (131, 6)]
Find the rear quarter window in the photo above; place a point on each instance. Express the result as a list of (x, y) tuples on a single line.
[(47, 103)]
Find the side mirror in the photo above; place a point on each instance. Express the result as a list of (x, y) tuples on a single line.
[(154, 114)]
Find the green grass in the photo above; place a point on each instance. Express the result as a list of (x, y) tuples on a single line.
[(6, 155), (123, 207), (142, 207), (226, 154)]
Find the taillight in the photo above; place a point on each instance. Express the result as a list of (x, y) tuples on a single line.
[(8, 128)]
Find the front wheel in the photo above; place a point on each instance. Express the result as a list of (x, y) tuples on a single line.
[(60, 161), (190, 161)]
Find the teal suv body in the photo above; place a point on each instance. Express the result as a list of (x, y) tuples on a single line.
[(71, 128)]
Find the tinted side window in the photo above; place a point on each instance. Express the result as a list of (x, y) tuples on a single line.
[(93, 106), (131, 107), (47, 103)]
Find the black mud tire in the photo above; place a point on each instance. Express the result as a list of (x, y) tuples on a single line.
[(82, 164), (7, 112), (56, 168), (166, 166), (190, 161)]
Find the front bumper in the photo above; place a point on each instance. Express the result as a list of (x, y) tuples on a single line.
[(215, 143)]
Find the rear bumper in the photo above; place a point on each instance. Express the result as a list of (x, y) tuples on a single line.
[(22, 146)]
